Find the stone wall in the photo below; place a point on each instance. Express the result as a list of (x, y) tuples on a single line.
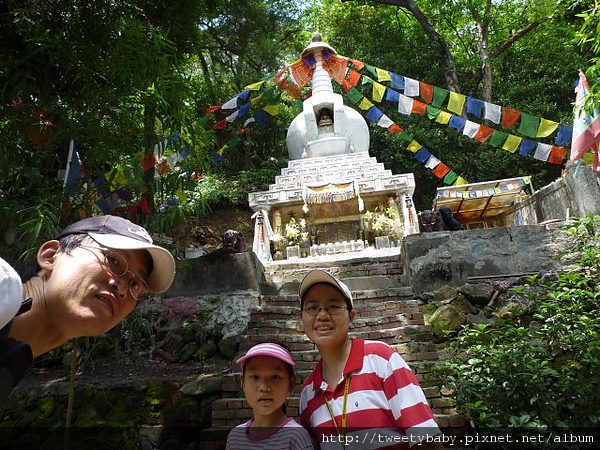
[(575, 194), (454, 258)]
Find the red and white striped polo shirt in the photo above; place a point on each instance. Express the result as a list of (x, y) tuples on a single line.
[(385, 407)]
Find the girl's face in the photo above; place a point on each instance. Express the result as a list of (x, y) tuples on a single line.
[(266, 383), (326, 330)]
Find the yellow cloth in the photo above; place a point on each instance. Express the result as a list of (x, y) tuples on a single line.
[(443, 117), (383, 75), (456, 103), (460, 180), (546, 128), (378, 91), (365, 104), (512, 143), (414, 146)]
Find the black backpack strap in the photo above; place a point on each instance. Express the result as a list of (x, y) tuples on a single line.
[(15, 356)]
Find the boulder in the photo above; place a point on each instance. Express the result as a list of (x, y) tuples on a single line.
[(446, 318), (478, 293), (204, 385)]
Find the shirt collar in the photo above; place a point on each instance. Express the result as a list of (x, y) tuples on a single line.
[(354, 363)]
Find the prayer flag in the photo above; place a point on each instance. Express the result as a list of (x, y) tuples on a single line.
[(441, 170), (460, 181), (439, 96), (483, 134), (557, 155), (542, 152), (422, 155), (432, 162), (358, 64), (378, 91), (443, 117), (498, 138), (512, 143), (414, 146), (365, 104), (353, 77), (231, 104), (391, 95), (474, 106), (546, 128), (492, 112), (457, 123), (255, 86), (426, 92), (509, 117), (470, 129), (418, 107), (382, 75), (526, 147), (74, 170), (373, 114), (354, 95), (394, 128), (397, 81), (586, 124), (432, 112), (529, 125), (450, 177), (212, 109), (411, 87), (385, 122), (456, 103), (565, 133), (405, 105), (220, 125)]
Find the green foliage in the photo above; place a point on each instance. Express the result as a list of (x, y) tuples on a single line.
[(536, 367)]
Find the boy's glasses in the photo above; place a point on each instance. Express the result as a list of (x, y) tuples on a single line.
[(332, 310), (117, 265)]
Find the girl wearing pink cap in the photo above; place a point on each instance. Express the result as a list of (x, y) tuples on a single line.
[(268, 377)]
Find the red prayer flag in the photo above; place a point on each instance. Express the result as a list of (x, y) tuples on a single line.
[(220, 125), (394, 128), (353, 77), (483, 134), (418, 107), (358, 64), (148, 160), (441, 170), (293, 91), (557, 155), (509, 117), (212, 109), (426, 91)]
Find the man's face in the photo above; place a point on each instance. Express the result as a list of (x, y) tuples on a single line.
[(326, 329), (85, 296)]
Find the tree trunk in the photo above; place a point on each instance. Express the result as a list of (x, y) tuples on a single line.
[(442, 52)]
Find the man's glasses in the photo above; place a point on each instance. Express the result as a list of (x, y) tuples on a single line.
[(117, 265), (332, 310)]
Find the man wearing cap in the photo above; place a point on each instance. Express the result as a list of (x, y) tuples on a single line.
[(361, 393), (83, 283)]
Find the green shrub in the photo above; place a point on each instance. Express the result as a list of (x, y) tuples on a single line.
[(536, 367)]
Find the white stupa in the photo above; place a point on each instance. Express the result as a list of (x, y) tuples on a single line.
[(330, 179)]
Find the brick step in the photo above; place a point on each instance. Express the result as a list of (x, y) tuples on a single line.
[(235, 410)]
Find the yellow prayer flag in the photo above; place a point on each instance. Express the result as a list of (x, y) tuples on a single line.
[(255, 86), (365, 104), (181, 195), (378, 91), (512, 143), (256, 99), (546, 128), (272, 109), (456, 103), (414, 146), (443, 118), (383, 75), (460, 180), (118, 181), (222, 149), (588, 159)]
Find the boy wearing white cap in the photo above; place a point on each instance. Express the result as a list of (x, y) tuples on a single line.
[(82, 283), (361, 394), (268, 377)]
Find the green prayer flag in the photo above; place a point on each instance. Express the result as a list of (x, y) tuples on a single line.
[(432, 112), (234, 141), (405, 136), (529, 125), (366, 80), (354, 95), (498, 138), (439, 96), (450, 177), (371, 69)]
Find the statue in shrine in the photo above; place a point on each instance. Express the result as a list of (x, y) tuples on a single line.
[(325, 117)]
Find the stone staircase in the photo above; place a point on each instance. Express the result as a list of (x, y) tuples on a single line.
[(385, 310)]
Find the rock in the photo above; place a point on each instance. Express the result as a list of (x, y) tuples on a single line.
[(463, 305), (228, 347), (480, 318), (446, 318), (186, 353), (204, 385), (477, 293), (445, 294)]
